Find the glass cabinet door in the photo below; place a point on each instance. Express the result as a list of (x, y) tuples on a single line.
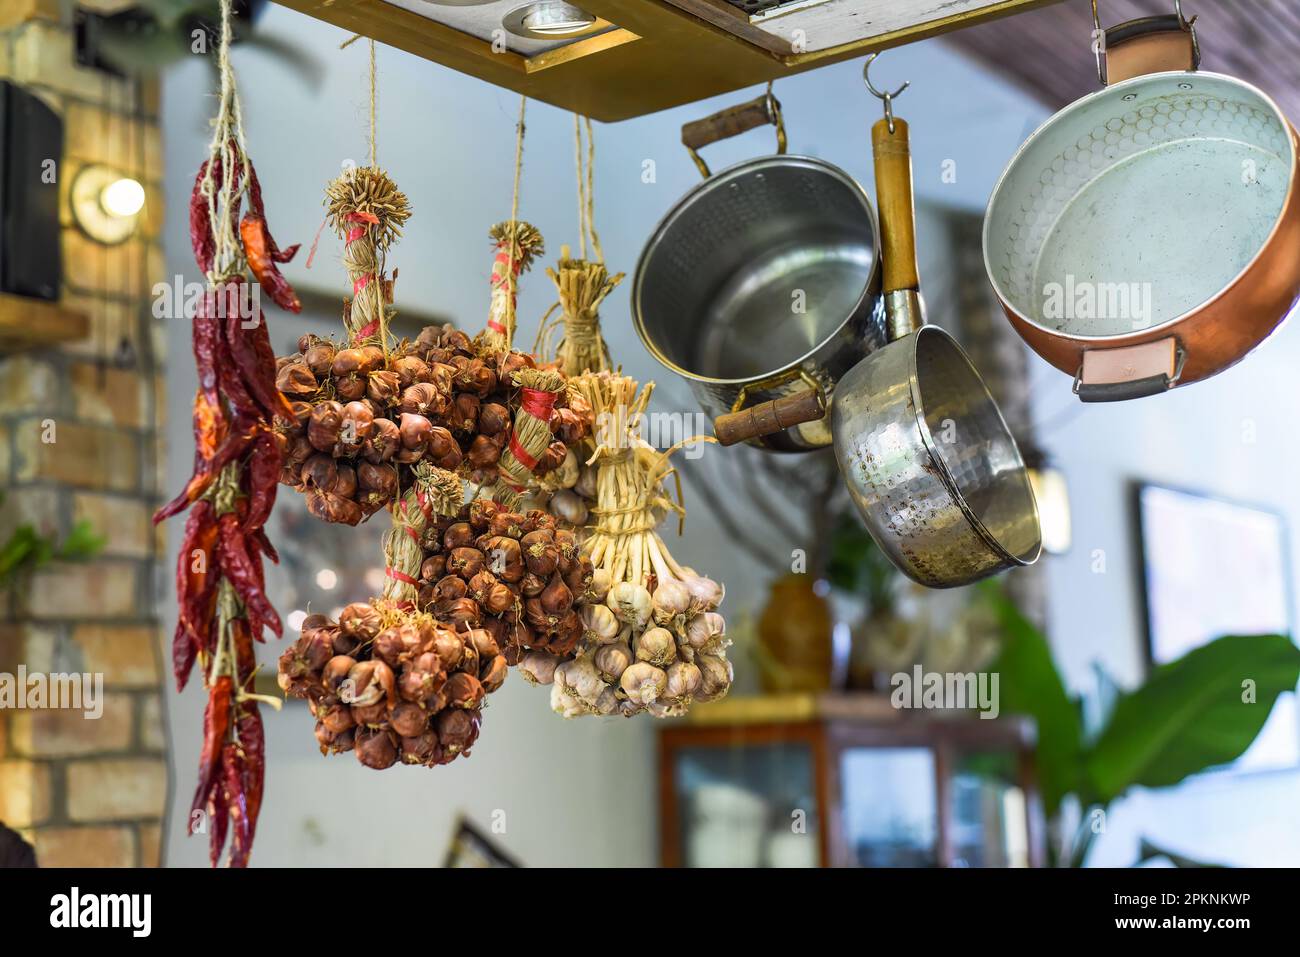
[(749, 805), (888, 807), (987, 812)]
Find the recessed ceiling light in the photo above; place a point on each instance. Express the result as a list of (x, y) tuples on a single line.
[(548, 19)]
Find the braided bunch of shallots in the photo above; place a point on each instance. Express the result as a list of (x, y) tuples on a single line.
[(517, 576), (363, 417), (391, 685)]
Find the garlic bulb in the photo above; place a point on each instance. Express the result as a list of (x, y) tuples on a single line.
[(612, 660), (666, 709), (643, 682), (706, 632), (656, 645), (600, 623), (684, 680), (706, 594), (565, 704), (568, 507), (598, 590), (715, 677), (631, 603), (671, 599), (580, 678), (607, 703), (567, 474), (586, 483), (538, 667)]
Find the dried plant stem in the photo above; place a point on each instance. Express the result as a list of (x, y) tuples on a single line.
[(582, 286), (517, 245), (434, 492), (531, 434)]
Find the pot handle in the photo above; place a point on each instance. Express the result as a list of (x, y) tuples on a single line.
[(733, 121), (1147, 45), (807, 405), (893, 160), (1129, 372)]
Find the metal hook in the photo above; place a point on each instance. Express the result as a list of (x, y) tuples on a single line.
[(887, 98)]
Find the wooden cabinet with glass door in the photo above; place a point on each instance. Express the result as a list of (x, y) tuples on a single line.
[(847, 781)]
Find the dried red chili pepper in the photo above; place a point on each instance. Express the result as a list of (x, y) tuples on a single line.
[(230, 494), (200, 222), (195, 583), (263, 474), (259, 250), (238, 569), (216, 726), (244, 350), (236, 804)]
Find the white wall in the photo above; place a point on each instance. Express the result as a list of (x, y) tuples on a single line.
[(583, 792)]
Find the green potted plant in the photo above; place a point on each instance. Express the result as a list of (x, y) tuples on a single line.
[(1196, 713)]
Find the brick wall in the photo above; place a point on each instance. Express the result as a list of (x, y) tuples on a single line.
[(88, 792)]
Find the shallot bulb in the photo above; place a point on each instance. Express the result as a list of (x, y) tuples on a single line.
[(631, 604), (643, 682), (656, 646)]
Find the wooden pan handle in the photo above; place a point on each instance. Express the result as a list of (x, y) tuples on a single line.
[(732, 121), (893, 155), (768, 417)]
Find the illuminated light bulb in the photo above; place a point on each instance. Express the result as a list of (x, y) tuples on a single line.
[(122, 198), (558, 19)]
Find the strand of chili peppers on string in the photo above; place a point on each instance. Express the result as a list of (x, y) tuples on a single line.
[(219, 576)]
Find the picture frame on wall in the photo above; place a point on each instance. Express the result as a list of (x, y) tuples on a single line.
[(1212, 566)]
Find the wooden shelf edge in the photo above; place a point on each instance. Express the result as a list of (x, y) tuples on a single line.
[(27, 323)]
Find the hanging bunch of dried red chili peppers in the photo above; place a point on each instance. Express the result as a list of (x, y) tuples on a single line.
[(219, 582)]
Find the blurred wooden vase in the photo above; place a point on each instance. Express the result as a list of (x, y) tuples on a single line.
[(794, 637)]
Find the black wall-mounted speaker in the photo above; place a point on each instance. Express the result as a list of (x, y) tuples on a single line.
[(31, 162)]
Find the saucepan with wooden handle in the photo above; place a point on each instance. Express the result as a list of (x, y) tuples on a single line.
[(928, 459)]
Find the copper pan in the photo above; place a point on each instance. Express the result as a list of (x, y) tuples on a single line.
[(1148, 235)]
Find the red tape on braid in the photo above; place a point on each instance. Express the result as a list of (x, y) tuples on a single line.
[(402, 577), (538, 403), (521, 453)]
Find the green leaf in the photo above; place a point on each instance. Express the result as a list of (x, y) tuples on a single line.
[(1190, 716), (1029, 684), (81, 544)]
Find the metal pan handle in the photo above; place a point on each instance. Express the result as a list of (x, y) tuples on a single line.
[(733, 121), (1130, 372), (1147, 45)]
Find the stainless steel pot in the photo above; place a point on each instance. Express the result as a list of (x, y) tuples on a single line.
[(762, 285), (928, 459)]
